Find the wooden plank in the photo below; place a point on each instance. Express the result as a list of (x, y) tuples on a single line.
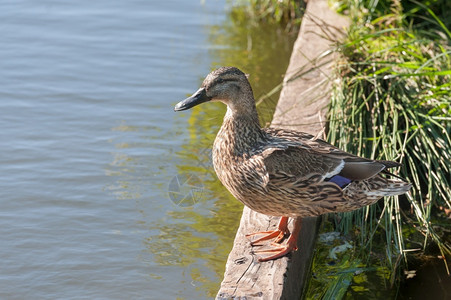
[(302, 106), (246, 277)]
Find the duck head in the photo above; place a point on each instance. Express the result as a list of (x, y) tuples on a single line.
[(228, 85)]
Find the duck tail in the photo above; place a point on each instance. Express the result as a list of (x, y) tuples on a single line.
[(370, 190), (395, 187), (381, 186)]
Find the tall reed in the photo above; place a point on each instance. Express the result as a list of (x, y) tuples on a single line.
[(393, 102)]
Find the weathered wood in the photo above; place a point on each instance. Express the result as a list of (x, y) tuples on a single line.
[(246, 277), (302, 106)]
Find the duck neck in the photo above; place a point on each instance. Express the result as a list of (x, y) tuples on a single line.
[(240, 131)]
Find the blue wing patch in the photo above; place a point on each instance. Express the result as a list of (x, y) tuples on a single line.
[(339, 180)]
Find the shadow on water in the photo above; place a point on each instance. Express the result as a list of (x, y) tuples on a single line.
[(205, 216)]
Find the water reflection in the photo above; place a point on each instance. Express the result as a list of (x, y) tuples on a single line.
[(261, 50)]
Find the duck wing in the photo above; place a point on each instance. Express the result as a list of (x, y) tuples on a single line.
[(301, 155)]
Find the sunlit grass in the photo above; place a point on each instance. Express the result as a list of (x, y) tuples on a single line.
[(393, 102)]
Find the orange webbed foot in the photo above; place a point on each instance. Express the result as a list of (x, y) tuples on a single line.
[(279, 250), (276, 252), (278, 234)]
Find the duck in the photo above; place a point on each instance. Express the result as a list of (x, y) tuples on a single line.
[(285, 173)]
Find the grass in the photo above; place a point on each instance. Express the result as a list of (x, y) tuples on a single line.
[(393, 102), (284, 12)]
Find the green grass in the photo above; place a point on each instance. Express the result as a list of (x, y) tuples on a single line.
[(284, 12), (393, 102)]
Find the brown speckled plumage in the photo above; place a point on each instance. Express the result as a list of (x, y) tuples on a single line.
[(281, 172)]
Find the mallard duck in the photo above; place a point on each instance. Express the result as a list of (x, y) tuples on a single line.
[(282, 172)]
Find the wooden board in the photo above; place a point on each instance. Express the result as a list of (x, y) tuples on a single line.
[(246, 277)]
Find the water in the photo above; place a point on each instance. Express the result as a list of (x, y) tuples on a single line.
[(90, 144)]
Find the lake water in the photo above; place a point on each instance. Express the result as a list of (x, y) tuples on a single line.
[(90, 145)]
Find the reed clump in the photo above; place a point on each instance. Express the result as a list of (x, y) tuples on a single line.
[(393, 102)]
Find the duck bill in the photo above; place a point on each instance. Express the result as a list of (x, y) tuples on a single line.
[(200, 96)]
